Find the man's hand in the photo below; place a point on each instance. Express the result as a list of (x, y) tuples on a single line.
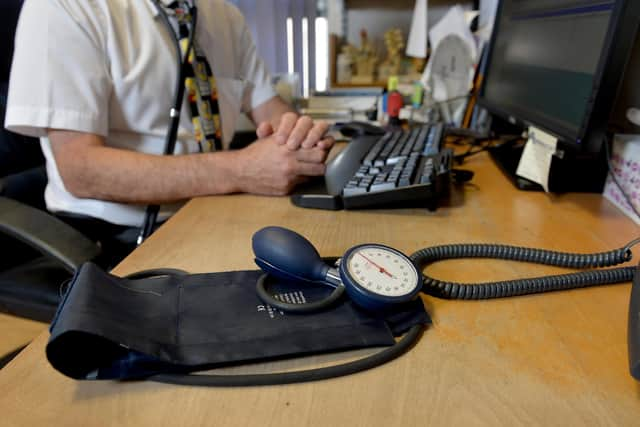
[(297, 132), (271, 168)]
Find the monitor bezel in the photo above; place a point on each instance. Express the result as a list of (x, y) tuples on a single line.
[(608, 78)]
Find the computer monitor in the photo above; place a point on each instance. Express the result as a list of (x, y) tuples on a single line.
[(557, 65)]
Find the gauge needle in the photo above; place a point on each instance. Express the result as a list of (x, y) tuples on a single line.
[(382, 269)]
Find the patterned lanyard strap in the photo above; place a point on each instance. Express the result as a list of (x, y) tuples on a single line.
[(200, 84)]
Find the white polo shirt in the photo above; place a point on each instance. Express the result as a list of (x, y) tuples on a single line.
[(108, 67)]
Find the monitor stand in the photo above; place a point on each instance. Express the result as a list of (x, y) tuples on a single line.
[(507, 156)]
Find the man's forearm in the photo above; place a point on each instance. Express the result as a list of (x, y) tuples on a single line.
[(90, 169), (99, 172), (130, 177)]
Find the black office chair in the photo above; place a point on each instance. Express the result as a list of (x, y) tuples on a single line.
[(45, 251), (39, 252)]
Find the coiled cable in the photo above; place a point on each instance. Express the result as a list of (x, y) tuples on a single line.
[(453, 290)]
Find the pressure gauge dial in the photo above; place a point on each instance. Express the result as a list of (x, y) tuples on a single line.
[(376, 275)]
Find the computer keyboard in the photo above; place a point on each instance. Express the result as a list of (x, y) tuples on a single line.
[(402, 168)]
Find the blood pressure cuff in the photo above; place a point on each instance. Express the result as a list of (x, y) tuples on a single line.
[(109, 327)]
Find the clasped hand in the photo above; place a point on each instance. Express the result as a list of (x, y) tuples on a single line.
[(284, 157)]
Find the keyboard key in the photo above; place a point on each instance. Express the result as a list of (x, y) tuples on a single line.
[(362, 171), (383, 186), (432, 147), (381, 177), (404, 182), (395, 155), (390, 144), (421, 140), (425, 180), (352, 191), (373, 152), (411, 141)]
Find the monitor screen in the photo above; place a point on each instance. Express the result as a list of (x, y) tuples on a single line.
[(545, 61)]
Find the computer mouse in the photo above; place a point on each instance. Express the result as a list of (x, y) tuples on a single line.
[(356, 128)]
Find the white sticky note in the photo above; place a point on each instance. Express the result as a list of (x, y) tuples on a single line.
[(535, 162)]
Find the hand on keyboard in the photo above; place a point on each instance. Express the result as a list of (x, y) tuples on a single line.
[(270, 168)]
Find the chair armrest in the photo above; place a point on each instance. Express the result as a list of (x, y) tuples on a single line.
[(47, 234)]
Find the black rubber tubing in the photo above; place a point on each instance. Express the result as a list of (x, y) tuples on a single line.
[(453, 290), (306, 308)]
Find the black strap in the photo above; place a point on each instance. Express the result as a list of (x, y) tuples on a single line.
[(280, 378)]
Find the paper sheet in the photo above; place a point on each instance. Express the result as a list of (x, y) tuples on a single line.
[(417, 42), (535, 162), (454, 23)]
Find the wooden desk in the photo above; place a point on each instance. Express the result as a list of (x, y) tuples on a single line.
[(552, 359)]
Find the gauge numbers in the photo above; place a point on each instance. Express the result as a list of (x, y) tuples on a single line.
[(382, 271)]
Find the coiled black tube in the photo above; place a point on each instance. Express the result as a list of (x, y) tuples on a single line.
[(452, 290)]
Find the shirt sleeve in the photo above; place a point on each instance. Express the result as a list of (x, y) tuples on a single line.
[(251, 67), (59, 76)]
